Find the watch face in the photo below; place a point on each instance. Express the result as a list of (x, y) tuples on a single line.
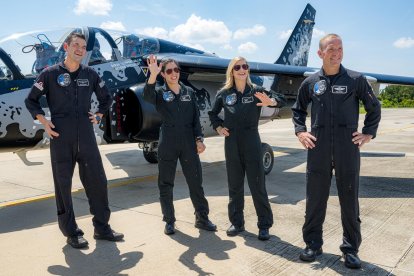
[(98, 118)]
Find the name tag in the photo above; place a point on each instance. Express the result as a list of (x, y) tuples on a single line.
[(185, 98), (339, 89), (83, 82), (246, 100)]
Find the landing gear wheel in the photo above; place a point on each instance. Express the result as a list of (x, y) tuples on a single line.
[(268, 158)]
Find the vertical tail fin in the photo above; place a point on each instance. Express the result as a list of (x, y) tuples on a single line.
[(297, 48)]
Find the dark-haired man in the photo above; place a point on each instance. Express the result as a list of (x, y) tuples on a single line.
[(333, 144), (68, 87)]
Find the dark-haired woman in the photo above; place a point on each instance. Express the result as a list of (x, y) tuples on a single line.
[(180, 138)]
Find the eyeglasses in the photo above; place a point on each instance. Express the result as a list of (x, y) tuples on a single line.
[(169, 71), (244, 66)]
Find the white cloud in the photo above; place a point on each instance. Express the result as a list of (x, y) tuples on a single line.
[(404, 42), (227, 47), (248, 47), (153, 32), (285, 34), (199, 30), (112, 25), (318, 33), (94, 7), (245, 33)]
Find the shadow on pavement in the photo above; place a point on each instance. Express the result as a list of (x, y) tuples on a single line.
[(104, 260), (207, 243), (289, 254)]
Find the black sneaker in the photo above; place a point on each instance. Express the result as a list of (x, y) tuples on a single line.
[(309, 254), (352, 260), (111, 236), (206, 225), (234, 230), (77, 241), (169, 229), (263, 234)]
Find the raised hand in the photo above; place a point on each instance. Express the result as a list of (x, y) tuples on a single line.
[(265, 100), (153, 67)]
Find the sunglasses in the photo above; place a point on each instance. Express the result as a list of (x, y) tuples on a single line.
[(244, 66), (169, 71)]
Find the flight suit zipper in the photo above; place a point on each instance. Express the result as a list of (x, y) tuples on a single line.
[(77, 114)]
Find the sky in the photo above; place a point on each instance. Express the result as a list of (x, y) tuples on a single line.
[(378, 36)]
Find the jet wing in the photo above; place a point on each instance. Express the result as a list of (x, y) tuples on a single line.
[(389, 79), (199, 63)]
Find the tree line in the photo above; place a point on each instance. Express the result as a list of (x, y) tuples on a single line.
[(397, 96)]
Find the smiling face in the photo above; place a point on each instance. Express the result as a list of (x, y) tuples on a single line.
[(75, 49), (331, 53), (242, 72), (171, 73)]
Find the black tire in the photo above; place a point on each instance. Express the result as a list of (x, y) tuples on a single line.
[(151, 156), (267, 157)]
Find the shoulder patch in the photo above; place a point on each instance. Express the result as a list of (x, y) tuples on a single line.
[(39, 85)]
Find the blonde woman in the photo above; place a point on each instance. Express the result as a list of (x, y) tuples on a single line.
[(242, 102)]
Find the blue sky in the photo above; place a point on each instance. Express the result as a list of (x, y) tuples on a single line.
[(378, 36)]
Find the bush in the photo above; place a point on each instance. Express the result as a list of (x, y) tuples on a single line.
[(397, 96)]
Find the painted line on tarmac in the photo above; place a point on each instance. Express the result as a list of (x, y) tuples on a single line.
[(111, 184)]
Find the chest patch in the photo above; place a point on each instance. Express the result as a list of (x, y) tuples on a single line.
[(319, 88), (339, 89), (64, 79), (246, 100), (185, 98), (231, 99), (168, 96), (82, 82)]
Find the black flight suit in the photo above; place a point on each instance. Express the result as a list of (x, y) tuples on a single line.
[(179, 129), (69, 106), (334, 117), (243, 151)]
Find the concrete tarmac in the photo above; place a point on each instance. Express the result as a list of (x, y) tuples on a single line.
[(31, 243)]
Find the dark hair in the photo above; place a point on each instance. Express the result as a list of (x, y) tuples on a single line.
[(74, 35), (164, 63)]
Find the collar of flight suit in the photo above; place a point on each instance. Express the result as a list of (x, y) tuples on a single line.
[(183, 88), (342, 71)]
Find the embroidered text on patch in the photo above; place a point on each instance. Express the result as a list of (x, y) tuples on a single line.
[(83, 82), (339, 89), (185, 98), (247, 99)]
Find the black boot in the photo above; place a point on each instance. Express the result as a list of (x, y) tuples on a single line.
[(309, 254), (352, 260), (234, 230), (169, 229)]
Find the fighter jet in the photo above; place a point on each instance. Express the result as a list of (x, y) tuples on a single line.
[(120, 60)]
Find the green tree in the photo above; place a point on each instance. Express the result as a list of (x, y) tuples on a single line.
[(397, 96)]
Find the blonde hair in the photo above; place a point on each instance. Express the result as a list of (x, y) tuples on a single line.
[(229, 74), (326, 37)]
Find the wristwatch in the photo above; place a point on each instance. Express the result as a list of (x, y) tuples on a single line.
[(98, 118), (200, 139)]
